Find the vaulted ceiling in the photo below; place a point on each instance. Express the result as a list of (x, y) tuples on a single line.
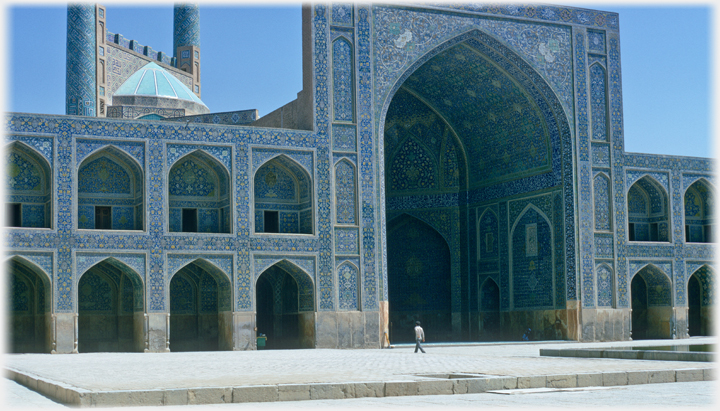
[(500, 127)]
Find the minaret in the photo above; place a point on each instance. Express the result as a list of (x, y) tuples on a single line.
[(186, 41), (81, 66)]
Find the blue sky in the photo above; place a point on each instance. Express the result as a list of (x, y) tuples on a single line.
[(252, 59)]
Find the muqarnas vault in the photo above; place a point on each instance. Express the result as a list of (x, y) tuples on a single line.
[(458, 165)]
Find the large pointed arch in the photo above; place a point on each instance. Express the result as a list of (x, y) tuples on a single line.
[(701, 301), (477, 85)]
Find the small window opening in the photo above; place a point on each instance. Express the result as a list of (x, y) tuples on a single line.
[(13, 215), (103, 220), (189, 220), (271, 222)]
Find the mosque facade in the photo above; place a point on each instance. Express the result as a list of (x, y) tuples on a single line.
[(459, 165)]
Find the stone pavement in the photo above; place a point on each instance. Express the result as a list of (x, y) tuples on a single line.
[(106, 379)]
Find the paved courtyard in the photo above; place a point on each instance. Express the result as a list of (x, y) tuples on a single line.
[(175, 372)]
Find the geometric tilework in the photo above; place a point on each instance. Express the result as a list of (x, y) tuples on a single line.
[(532, 268), (596, 41), (347, 287), (544, 55), (345, 192), (604, 275), (81, 76), (186, 25), (601, 185), (598, 102), (343, 80), (43, 145), (342, 14), (346, 240)]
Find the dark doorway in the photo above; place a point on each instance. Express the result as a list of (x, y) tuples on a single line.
[(103, 218), (13, 216), (694, 307), (278, 316), (271, 222), (189, 220), (108, 301), (29, 305), (638, 291), (418, 281), (489, 321), (200, 314)]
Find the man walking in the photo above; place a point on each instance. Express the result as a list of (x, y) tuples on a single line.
[(419, 337)]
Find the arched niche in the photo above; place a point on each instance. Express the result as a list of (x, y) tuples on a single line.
[(419, 280), (648, 215), (651, 303), (28, 188), (532, 283), (345, 193), (199, 195), (285, 307), (701, 301), (110, 191), (111, 308), (699, 203), (603, 202), (200, 298), (489, 320), (283, 197), (29, 298)]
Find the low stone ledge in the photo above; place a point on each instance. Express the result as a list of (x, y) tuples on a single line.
[(437, 387), (689, 374), (536, 381), (561, 381), (127, 398), (366, 389), (614, 378), (209, 395), (401, 388), (661, 376), (175, 397), (255, 393), (637, 377), (589, 380), (330, 391), (709, 374), (293, 392)]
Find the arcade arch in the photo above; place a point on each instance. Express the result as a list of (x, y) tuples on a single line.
[(651, 303), (648, 215), (28, 193), (110, 309), (699, 217), (283, 197), (110, 192), (29, 297), (285, 307), (701, 301), (200, 308), (200, 195)]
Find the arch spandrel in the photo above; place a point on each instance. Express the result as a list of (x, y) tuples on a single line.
[(404, 37)]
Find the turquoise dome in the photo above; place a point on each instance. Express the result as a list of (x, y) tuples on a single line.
[(154, 81)]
